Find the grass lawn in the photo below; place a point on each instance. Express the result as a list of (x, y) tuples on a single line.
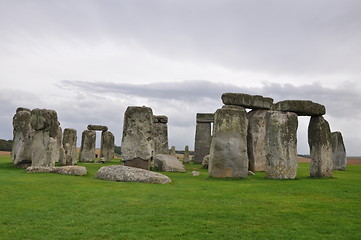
[(50, 206)]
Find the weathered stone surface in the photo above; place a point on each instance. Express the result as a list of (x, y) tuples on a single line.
[(22, 138), (45, 148), (45, 120), (168, 163), (97, 127), (205, 117), (256, 140), (301, 107), (281, 145), (202, 141), (160, 119), (320, 142), (87, 148), (59, 140), (20, 109), (172, 151), (138, 141), (228, 153), (338, 151), (247, 101), (186, 158), (69, 145), (160, 135), (205, 162), (121, 173), (107, 146), (66, 170)]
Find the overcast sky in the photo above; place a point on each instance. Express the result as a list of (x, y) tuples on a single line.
[(90, 59)]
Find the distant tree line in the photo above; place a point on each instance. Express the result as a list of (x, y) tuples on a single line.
[(6, 145)]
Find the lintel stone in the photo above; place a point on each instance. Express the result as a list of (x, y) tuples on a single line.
[(300, 107), (205, 117), (247, 101), (97, 128)]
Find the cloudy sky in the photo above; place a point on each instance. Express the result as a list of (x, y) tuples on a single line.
[(90, 59)]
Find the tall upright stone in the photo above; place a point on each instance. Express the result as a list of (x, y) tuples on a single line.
[(87, 148), (138, 141), (22, 138), (338, 151), (203, 136), (59, 140), (186, 158), (281, 145), (107, 146), (69, 145), (256, 140), (320, 142), (228, 152), (45, 148), (172, 151), (160, 134)]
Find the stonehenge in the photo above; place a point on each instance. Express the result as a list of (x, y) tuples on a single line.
[(138, 137), (271, 138), (203, 136), (248, 133)]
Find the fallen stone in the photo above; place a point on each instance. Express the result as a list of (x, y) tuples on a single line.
[(168, 163), (339, 151), (65, 170), (281, 145), (120, 173), (247, 101), (205, 162), (320, 142), (97, 128), (301, 107), (195, 173)]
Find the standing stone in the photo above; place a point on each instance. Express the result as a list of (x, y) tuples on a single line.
[(69, 145), (22, 138), (203, 136), (256, 140), (186, 155), (59, 140), (45, 149), (87, 148), (228, 153), (107, 146), (172, 151), (281, 145), (160, 134), (138, 141), (320, 142), (339, 151)]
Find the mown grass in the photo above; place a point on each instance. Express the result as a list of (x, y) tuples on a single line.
[(51, 206)]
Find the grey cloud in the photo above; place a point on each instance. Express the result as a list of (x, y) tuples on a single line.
[(278, 36)]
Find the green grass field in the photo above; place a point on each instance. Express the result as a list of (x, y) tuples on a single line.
[(51, 206)]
